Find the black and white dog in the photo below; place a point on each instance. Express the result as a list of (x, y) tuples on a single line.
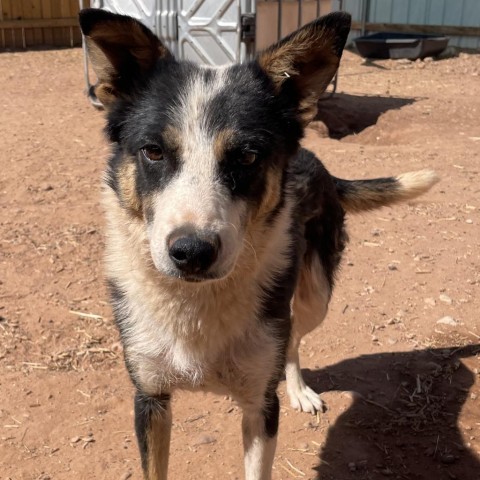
[(223, 236)]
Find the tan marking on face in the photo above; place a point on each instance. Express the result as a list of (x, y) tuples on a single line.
[(267, 242), (173, 139), (128, 194), (272, 194), (222, 142)]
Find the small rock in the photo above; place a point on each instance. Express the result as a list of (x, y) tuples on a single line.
[(445, 299), (448, 459), (449, 52), (74, 439), (204, 440), (430, 301), (473, 396), (47, 188), (352, 467), (386, 472), (303, 446), (376, 232), (392, 266), (428, 60), (469, 221), (448, 321), (433, 367), (116, 347), (319, 128)]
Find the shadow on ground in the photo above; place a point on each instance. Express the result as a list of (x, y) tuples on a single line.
[(345, 114), (403, 422)]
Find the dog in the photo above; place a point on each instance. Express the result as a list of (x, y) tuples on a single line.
[(223, 235)]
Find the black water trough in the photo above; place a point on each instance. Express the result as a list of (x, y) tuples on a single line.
[(400, 45)]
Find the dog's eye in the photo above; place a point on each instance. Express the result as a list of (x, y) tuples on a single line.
[(152, 152), (248, 158)]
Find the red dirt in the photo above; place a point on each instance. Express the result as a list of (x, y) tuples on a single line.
[(402, 393)]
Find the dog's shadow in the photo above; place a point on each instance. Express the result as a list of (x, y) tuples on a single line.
[(404, 420), (346, 114)]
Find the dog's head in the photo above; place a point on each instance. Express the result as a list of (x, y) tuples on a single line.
[(200, 153)]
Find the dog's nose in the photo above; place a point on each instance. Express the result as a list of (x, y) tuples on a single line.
[(192, 254)]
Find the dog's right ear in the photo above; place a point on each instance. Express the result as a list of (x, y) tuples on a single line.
[(121, 50)]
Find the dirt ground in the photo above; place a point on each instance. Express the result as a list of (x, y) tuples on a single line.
[(398, 357)]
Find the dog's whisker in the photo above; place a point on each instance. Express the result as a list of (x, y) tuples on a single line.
[(233, 225), (249, 244)]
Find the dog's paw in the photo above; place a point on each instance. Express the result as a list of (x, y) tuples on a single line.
[(305, 399)]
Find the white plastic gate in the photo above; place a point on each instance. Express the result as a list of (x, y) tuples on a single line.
[(204, 31)]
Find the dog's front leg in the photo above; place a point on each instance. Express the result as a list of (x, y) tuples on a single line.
[(153, 424), (259, 429)]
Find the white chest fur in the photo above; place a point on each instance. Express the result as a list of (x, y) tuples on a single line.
[(189, 339)]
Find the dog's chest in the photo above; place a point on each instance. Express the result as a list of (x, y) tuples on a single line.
[(194, 343)]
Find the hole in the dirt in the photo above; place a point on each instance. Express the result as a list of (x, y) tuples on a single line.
[(345, 114)]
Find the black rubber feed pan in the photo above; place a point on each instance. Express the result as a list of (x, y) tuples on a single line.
[(400, 45)]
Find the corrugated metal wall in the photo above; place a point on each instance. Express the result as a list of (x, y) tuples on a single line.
[(464, 13)]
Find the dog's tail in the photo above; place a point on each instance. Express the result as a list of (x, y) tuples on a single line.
[(362, 195)]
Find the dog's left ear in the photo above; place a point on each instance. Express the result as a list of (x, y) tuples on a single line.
[(308, 58), (121, 49)]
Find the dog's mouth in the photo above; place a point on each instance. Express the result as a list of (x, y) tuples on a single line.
[(204, 277), (198, 278)]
